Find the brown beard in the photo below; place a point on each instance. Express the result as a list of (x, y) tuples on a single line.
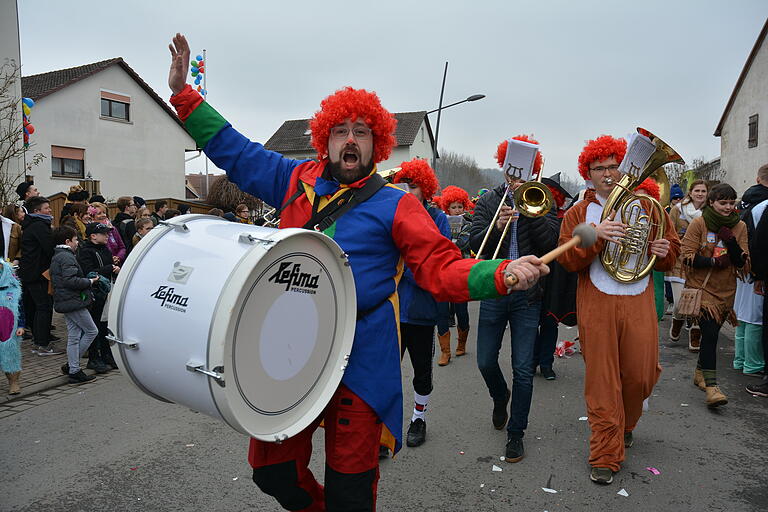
[(347, 177)]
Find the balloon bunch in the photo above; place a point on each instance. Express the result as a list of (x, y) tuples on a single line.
[(198, 68), (26, 107)]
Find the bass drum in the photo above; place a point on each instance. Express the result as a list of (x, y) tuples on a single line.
[(249, 325)]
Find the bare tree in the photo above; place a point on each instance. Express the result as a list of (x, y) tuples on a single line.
[(462, 171), (226, 195), (12, 148)]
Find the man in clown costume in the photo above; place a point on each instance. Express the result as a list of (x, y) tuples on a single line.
[(618, 330), (383, 229)]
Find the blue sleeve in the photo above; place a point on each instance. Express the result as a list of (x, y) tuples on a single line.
[(255, 170), (441, 220)]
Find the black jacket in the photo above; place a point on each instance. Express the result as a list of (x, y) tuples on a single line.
[(95, 258), (126, 226), (758, 248), (71, 289), (36, 249), (534, 236)]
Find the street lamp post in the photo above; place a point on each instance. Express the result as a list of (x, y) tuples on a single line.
[(440, 108)]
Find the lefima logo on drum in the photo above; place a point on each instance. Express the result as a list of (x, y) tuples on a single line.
[(169, 299), (294, 279)]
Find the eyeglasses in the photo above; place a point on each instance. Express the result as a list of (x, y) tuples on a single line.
[(600, 168), (359, 132)]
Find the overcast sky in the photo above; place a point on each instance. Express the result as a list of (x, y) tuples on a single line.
[(565, 71)]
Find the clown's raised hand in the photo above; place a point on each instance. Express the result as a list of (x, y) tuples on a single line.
[(177, 76)]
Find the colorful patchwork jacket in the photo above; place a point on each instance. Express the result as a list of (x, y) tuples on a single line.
[(380, 235)]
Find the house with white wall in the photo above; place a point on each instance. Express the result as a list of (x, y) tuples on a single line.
[(102, 123), (743, 127), (414, 140)]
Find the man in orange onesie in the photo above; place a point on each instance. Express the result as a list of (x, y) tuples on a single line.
[(617, 321)]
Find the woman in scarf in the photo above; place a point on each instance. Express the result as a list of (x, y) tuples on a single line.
[(682, 215), (11, 326), (714, 252)]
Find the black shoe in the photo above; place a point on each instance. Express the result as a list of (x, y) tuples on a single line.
[(758, 389), (98, 365), (383, 452), (65, 368), (80, 377), (548, 373), (417, 433), (515, 450), (500, 414), (602, 476)]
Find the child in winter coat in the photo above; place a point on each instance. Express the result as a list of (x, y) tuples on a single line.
[(11, 326), (71, 296)]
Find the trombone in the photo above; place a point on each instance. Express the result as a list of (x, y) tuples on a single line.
[(532, 199)]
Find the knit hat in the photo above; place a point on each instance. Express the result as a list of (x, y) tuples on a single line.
[(23, 187), (676, 192)]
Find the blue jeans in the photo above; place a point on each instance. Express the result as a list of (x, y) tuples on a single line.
[(546, 341), (444, 316), (523, 322)]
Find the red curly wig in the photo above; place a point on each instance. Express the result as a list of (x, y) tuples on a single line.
[(419, 172), (501, 151), (453, 194), (650, 187), (558, 196), (601, 148), (354, 103)]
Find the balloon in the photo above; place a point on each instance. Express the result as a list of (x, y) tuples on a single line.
[(28, 102), (200, 63), (195, 74), (197, 81), (195, 69), (199, 57), (202, 69), (25, 108), (199, 88), (204, 92), (30, 129), (193, 63)]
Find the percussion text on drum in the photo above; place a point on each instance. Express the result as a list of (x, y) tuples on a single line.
[(294, 277), (169, 299)]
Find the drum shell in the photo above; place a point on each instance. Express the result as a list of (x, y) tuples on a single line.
[(192, 319)]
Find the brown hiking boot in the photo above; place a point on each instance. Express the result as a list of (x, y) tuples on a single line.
[(445, 348), (694, 338), (461, 347), (715, 397), (698, 379), (675, 328)]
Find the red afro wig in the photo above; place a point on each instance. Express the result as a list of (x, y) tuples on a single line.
[(601, 148), (353, 104), (649, 187), (501, 151), (419, 172), (452, 194), (558, 196)]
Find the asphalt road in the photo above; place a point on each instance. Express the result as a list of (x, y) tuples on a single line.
[(108, 447)]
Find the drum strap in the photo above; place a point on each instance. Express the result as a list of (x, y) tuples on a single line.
[(323, 219)]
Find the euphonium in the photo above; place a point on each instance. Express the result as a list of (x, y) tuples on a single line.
[(629, 260)]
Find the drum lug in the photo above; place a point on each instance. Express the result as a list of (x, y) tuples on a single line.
[(181, 226), (345, 257), (217, 374), (346, 362), (127, 344), (247, 238)]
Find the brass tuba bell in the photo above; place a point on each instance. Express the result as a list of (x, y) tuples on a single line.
[(629, 260)]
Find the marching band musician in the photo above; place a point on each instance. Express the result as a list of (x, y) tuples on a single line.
[(521, 310), (381, 228), (617, 321)]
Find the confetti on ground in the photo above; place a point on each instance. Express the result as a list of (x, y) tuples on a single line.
[(550, 491), (190, 445), (496, 468), (134, 469), (502, 458), (623, 493), (37, 441), (683, 405), (653, 470), (583, 418), (482, 485), (234, 479), (461, 453)]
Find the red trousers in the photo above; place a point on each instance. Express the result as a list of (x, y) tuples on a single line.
[(352, 434)]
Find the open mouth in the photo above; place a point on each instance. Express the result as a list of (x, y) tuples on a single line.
[(350, 158)]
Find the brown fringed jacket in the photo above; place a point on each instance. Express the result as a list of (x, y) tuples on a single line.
[(717, 298)]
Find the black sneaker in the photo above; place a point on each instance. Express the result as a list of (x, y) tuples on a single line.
[(417, 433), (515, 450), (65, 368), (383, 452), (500, 414), (98, 365), (759, 389), (548, 373), (80, 377), (602, 476), (628, 440)]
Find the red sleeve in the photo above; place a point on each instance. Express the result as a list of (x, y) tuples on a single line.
[(436, 262), (186, 101)]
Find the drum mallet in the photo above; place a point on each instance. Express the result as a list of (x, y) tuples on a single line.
[(584, 235)]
